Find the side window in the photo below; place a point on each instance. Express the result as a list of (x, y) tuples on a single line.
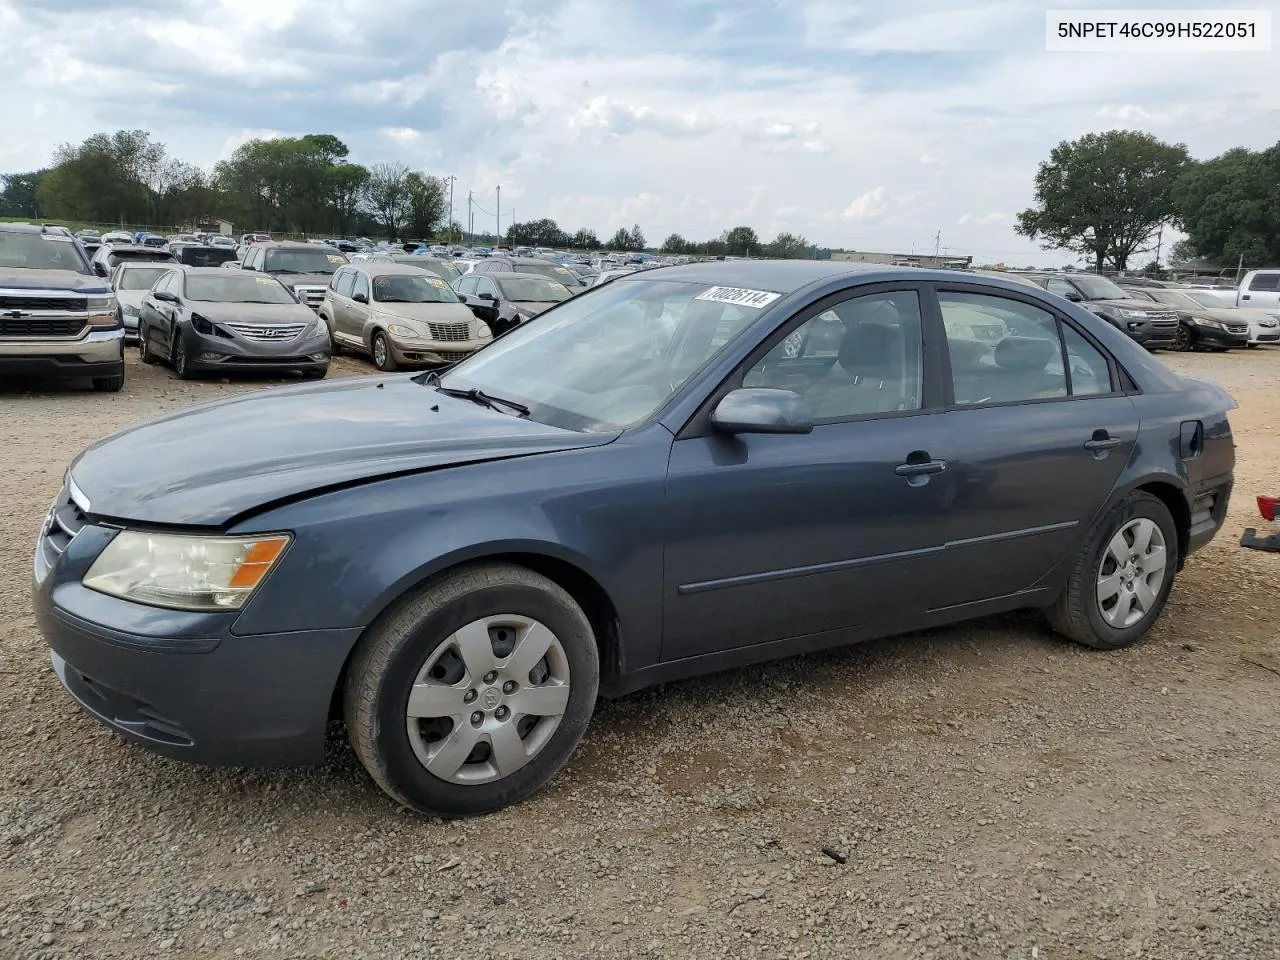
[(1001, 350), (361, 285), (346, 283), (485, 285), (1061, 287), (1090, 374), (1265, 281), (862, 357)]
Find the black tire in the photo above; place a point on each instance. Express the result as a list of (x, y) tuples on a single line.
[(388, 362), (1250, 345), (109, 384), (181, 362), (1185, 341), (393, 650), (1076, 613), (315, 374), (144, 346)]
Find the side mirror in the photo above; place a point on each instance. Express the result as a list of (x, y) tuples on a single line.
[(1073, 296), (461, 298), (100, 268), (164, 295), (360, 297), (487, 296), (761, 410)]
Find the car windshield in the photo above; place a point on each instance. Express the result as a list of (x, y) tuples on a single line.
[(529, 290), (237, 288), (1207, 299), (40, 251), (140, 278), (607, 358), (304, 261), (412, 288), (552, 271), (205, 256), (1099, 288), (1174, 298), (446, 271)]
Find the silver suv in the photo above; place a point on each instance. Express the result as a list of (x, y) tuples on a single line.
[(57, 319)]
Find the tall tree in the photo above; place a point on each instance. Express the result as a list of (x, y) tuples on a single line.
[(674, 244), (637, 237), (426, 204), (742, 242), (622, 240), (388, 195), (19, 198), (585, 239), (346, 186), (787, 246), (1104, 195), (1230, 206)]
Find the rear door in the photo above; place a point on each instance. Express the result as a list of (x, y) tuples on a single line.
[(1036, 435), (357, 313)]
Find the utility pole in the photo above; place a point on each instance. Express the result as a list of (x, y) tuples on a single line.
[(499, 218), (1159, 240), (471, 226), (937, 242), (451, 182)]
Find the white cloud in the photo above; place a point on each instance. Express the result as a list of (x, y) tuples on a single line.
[(868, 206), (984, 219), (402, 134), (816, 146)]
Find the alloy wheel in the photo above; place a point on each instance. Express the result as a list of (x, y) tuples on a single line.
[(180, 359), (1183, 338), (379, 352), (488, 699), (1132, 573)]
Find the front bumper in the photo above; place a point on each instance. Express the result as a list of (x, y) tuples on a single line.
[(99, 353), (307, 352), (1214, 337), (184, 685), (433, 353)]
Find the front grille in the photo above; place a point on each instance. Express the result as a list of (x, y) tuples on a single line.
[(1238, 329), (452, 355), (450, 331), (311, 296), (34, 325), (267, 334), (9, 301), (64, 520)]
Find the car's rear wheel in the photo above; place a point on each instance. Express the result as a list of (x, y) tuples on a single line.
[(383, 358), (1122, 576), (472, 693)]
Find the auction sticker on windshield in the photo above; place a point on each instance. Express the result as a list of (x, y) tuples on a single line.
[(757, 299), (334, 258), (437, 282)]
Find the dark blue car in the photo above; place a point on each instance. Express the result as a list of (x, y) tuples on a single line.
[(686, 469)]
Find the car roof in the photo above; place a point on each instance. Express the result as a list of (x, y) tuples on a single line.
[(519, 276), (216, 272), (779, 276), (295, 245), (384, 267)]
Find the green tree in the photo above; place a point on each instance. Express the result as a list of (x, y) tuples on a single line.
[(741, 242), (585, 239), (636, 237), (426, 204), (622, 240), (19, 197), (346, 185), (1104, 195), (675, 244), (788, 247), (1230, 206), (388, 196)]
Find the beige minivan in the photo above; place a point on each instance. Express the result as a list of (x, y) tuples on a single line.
[(400, 316)]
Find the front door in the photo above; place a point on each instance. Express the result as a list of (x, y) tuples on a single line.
[(1033, 444), (775, 537)]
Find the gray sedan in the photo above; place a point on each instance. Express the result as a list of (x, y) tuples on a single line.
[(210, 319), (685, 470)]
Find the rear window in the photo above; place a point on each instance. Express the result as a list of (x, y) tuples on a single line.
[(40, 251), (205, 256), (1265, 281), (140, 278)]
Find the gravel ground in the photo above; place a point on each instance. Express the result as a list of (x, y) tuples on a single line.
[(993, 791)]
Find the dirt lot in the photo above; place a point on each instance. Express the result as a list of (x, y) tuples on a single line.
[(996, 791)]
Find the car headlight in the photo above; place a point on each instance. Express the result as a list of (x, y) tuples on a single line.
[(1268, 323), (185, 572), (483, 332), (101, 310), (1133, 314), (402, 332), (130, 310), (1203, 322)]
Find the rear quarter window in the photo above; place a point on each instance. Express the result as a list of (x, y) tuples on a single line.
[(1265, 281)]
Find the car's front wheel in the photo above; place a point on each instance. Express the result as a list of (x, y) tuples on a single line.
[(145, 352), (181, 360), (1121, 577), (383, 358), (1184, 340), (472, 693)]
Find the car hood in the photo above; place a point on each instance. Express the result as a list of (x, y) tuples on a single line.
[(455, 312), (22, 278), (533, 307), (305, 279), (214, 462), (256, 313), (1146, 306)]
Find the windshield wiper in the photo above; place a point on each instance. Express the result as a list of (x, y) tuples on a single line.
[(476, 395)]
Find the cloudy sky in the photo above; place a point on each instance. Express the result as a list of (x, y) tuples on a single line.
[(869, 126)]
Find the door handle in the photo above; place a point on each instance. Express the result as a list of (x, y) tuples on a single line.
[(1101, 443), (922, 469)]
